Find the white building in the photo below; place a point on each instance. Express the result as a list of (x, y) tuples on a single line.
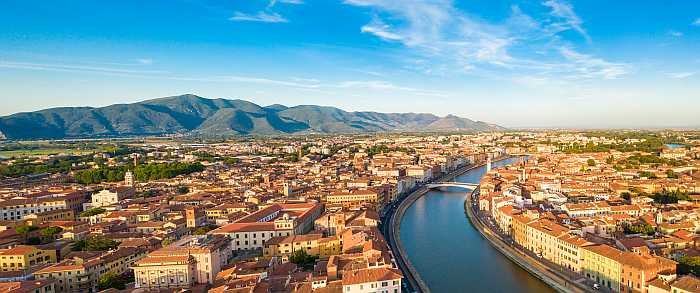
[(372, 280)]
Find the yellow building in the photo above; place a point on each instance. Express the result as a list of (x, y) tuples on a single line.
[(600, 264), (312, 244), (82, 274), (356, 198), (23, 256), (52, 215)]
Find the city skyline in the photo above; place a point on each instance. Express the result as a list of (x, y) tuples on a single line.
[(549, 63)]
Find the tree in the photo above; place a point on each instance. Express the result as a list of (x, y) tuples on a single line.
[(626, 195), (591, 162), (304, 260), (689, 265), (183, 189), (671, 174), (25, 230), (95, 244), (166, 242), (51, 232), (639, 228), (204, 230), (610, 160), (111, 280), (666, 196), (91, 212)]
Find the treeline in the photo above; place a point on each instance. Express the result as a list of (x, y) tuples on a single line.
[(141, 172), (25, 167), (652, 145)]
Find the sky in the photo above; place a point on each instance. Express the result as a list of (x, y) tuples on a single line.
[(546, 63)]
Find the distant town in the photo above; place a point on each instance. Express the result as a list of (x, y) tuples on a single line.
[(611, 211)]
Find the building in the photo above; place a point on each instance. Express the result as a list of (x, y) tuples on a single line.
[(638, 269), (251, 232), (30, 286), (24, 256), (191, 260), (601, 264), (372, 280), (165, 272), (312, 244), (107, 197), (129, 179), (53, 215), (81, 274), (16, 208), (195, 217), (356, 198)]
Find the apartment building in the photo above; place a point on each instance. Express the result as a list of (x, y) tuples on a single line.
[(79, 274), (371, 280), (165, 272), (251, 232), (23, 257), (16, 208), (312, 244), (356, 198), (601, 264), (193, 259)]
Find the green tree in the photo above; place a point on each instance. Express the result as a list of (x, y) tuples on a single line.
[(166, 242), (639, 228), (25, 230), (91, 212), (689, 265), (666, 196), (204, 230), (111, 280), (626, 195), (671, 174), (183, 189), (591, 162), (95, 244), (303, 260), (50, 232)]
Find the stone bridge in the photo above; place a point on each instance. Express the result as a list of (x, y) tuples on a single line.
[(470, 186)]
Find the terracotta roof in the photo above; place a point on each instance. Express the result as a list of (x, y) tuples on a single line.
[(370, 275), (687, 283)]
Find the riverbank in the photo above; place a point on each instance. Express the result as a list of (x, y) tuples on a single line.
[(537, 269), (394, 227)]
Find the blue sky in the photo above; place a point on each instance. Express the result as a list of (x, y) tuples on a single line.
[(547, 63)]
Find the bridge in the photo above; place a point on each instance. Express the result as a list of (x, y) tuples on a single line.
[(452, 184)]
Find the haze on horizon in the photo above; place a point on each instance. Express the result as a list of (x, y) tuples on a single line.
[(547, 63)]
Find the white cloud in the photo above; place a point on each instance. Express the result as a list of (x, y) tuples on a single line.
[(676, 34), (587, 66), (381, 30), (145, 61), (570, 20), (696, 22), (680, 75), (441, 39), (74, 68), (261, 16), (272, 3)]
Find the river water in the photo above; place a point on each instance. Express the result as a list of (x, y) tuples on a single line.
[(450, 255)]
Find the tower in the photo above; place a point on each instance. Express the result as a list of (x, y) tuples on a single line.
[(488, 163), (129, 179), (287, 188)]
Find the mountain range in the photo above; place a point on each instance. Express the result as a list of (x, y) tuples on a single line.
[(191, 114)]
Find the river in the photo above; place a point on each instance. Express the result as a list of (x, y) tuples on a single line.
[(450, 255)]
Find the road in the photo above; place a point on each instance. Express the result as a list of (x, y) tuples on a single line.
[(389, 224), (558, 278)]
